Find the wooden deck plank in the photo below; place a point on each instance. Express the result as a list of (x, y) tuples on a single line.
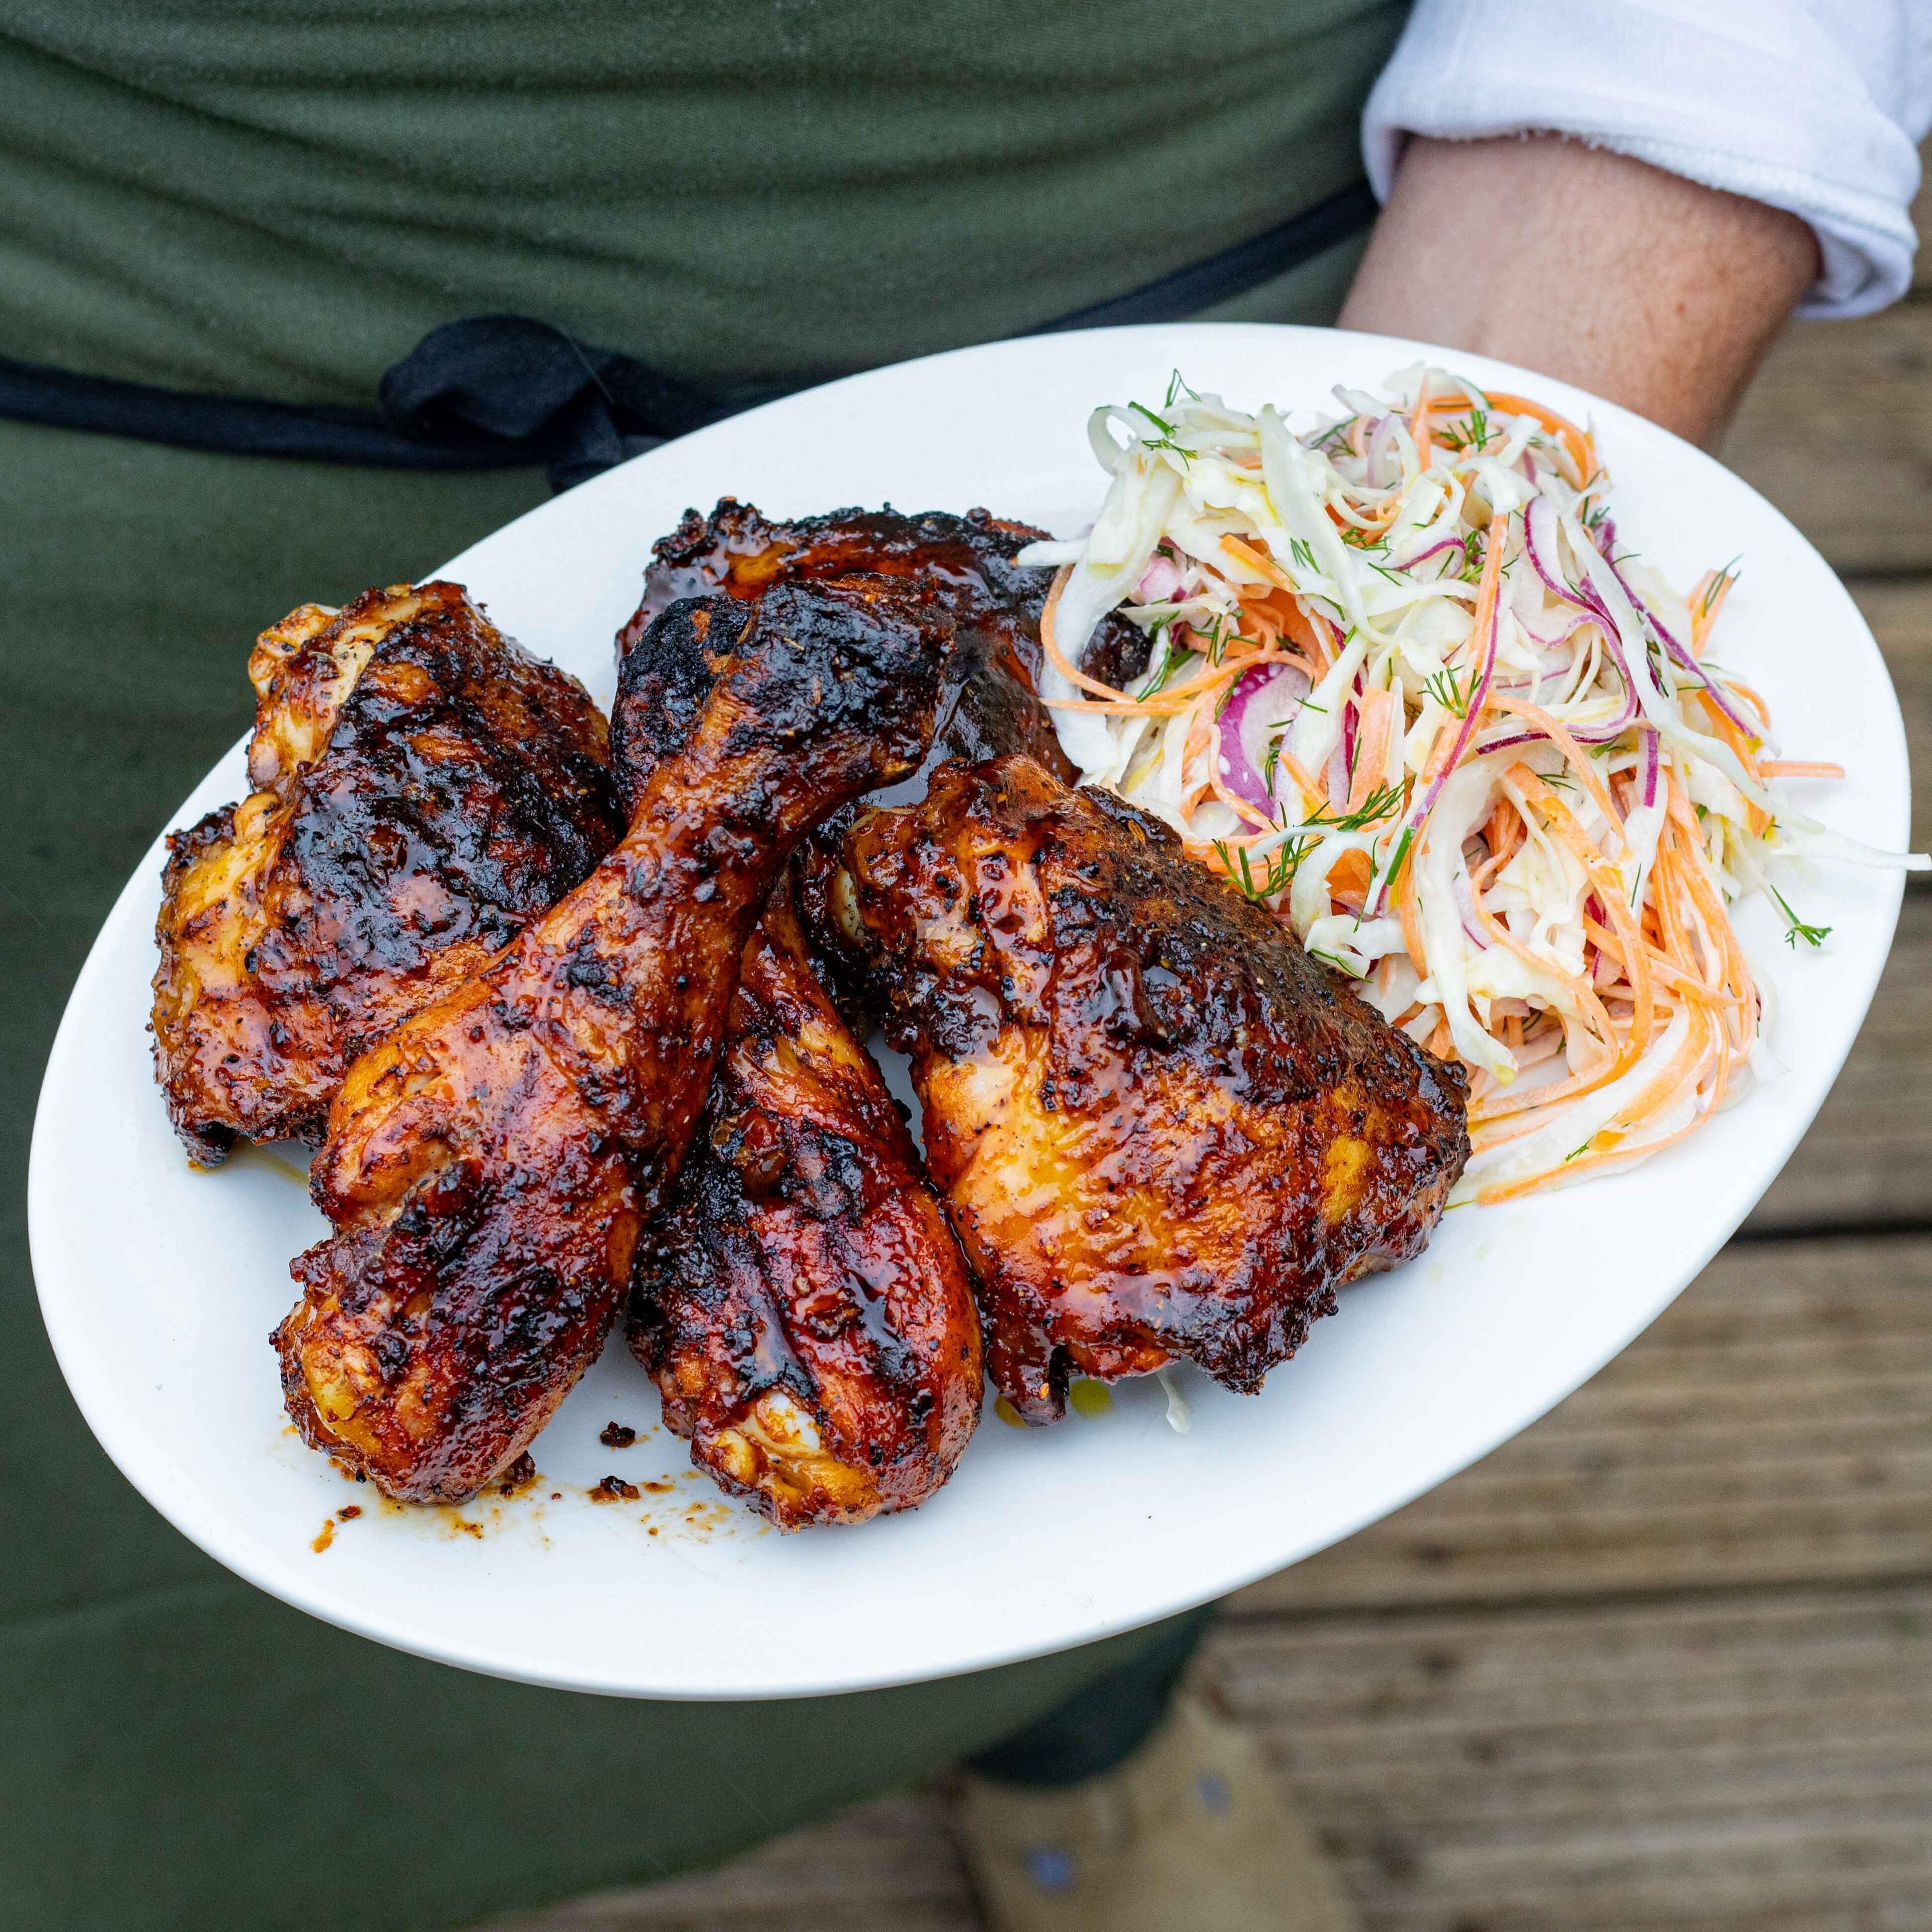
[(1772, 1428), (1741, 1763), (1867, 1161), (1901, 615), (1837, 431)]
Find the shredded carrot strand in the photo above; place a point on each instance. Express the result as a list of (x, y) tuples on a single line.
[(1610, 887), (1574, 753)]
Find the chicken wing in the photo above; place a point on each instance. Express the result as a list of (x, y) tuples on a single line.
[(1162, 1129), (803, 1305), (488, 1166), (423, 789)]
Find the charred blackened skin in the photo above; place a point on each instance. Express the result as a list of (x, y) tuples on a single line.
[(489, 1165), (423, 789), (1161, 1128), (803, 1304), (987, 708)]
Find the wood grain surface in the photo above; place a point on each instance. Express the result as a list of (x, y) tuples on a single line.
[(1665, 1660)]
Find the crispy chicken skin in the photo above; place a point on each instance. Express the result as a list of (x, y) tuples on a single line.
[(1162, 1129), (803, 1305), (986, 707), (424, 788), (488, 1166)]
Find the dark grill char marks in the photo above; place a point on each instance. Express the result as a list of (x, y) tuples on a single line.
[(803, 1305), (987, 707), (994, 602), (423, 789), (1162, 1129), (488, 1166)]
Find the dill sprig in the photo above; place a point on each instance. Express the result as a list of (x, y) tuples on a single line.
[(1335, 432), (1278, 873), (1165, 440), (1795, 927), (1716, 587), (1280, 865), (1477, 436), (1170, 662), (1445, 686)]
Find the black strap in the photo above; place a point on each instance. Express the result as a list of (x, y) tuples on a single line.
[(504, 392)]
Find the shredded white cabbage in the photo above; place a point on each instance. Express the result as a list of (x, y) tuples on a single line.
[(1405, 688)]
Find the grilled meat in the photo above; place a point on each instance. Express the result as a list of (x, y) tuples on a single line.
[(987, 705), (987, 708), (489, 1166), (1162, 1129), (803, 1305), (424, 788)]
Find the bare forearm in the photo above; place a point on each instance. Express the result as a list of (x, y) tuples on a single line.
[(1644, 287)]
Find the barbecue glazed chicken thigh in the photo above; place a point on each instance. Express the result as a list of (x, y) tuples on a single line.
[(1162, 1129), (424, 788), (803, 1305), (490, 1166)]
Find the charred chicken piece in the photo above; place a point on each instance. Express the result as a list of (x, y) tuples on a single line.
[(987, 708), (803, 1305), (424, 788), (987, 705), (1162, 1129), (489, 1165)]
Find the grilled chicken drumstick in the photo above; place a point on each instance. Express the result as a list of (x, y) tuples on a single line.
[(488, 1167), (424, 788), (1162, 1130), (803, 1305)]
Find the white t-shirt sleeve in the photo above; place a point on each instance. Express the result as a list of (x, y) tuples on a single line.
[(1814, 106)]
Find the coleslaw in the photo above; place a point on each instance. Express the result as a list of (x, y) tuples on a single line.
[(1405, 688)]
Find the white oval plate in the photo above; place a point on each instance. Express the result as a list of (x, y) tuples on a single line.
[(159, 1285)]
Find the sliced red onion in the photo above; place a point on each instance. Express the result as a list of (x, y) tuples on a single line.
[(1539, 542), (1268, 696), (1605, 734), (1381, 443), (1562, 637), (1684, 659), (1338, 779), (1509, 742), (1466, 904), (1159, 581), (1422, 556)]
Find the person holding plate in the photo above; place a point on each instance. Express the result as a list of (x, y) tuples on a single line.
[(298, 298)]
